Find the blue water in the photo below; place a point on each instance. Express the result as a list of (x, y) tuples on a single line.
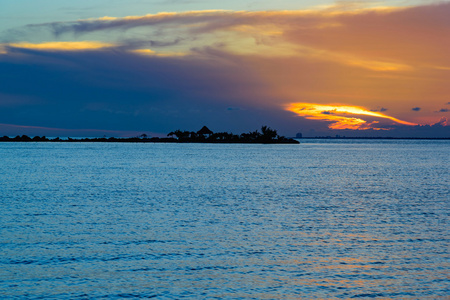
[(323, 219)]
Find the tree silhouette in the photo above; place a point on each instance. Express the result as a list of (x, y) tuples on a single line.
[(268, 134), (180, 134)]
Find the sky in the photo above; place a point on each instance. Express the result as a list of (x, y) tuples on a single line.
[(123, 68)]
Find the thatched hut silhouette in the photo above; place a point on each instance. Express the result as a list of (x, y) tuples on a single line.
[(205, 132)]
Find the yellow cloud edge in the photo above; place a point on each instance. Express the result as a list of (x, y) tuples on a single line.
[(243, 46), (81, 46), (58, 46), (324, 10)]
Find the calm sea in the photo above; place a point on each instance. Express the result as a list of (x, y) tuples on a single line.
[(323, 219)]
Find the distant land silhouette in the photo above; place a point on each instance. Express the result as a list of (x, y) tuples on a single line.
[(204, 135)]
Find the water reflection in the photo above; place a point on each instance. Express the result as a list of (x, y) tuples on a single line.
[(318, 220)]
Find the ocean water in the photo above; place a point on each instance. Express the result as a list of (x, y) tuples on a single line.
[(326, 219)]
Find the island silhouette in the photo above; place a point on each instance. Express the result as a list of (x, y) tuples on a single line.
[(267, 135)]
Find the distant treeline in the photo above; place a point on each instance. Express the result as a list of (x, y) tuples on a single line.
[(140, 139), (204, 135), (373, 138)]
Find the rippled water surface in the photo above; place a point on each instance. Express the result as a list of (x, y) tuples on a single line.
[(323, 219)]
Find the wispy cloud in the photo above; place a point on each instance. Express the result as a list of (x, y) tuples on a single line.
[(169, 67), (354, 37), (348, 35)]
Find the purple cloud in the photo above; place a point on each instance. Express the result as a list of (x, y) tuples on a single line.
[(379, 110)]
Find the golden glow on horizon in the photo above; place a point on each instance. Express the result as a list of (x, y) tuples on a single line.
[(338, 115)]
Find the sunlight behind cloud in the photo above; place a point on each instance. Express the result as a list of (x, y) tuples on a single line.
[(353, 52), (340, 115)]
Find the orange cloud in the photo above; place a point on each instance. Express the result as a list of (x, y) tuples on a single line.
[(340, 116)]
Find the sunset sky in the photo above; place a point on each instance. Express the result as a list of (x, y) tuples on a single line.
[(103, 67)]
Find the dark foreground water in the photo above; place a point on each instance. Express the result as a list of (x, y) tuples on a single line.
[(323, 219)]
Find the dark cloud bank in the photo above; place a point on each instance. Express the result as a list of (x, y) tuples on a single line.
[(115, 90), (112, 90)]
